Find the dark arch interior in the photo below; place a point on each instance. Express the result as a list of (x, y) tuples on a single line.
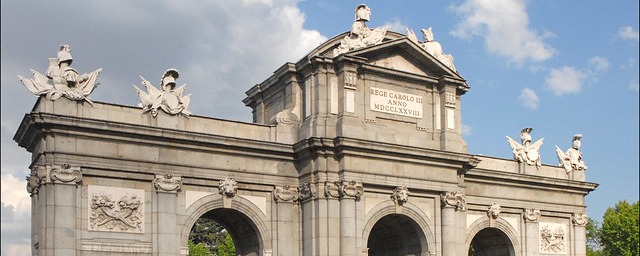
[(396, 235), (243, 231), (491, 242)]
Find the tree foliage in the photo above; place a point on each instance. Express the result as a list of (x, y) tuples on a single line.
[(228, 248), (214, 238), (620, 227), (198, 249)]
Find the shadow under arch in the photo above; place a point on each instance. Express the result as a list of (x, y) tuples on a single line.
[(484, 225), (244, 221), (408, 211)]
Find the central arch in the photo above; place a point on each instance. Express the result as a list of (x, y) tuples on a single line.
[(241, 218), (491, 242), (393, 230), (396, 234)]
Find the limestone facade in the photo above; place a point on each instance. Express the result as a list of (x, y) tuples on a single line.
[(356, 154)]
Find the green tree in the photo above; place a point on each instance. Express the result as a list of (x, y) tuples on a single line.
[(228, 248), (593, 241), (198, 249), (620, 227)]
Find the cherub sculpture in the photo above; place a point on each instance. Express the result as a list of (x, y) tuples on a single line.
[(66, 81), (169, 98), (526, 152), (572, 159), (360, 35)]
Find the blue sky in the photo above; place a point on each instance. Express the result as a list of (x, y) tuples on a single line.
[(561, 67)]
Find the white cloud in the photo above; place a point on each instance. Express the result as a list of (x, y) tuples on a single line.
[(221, 48), (16, 213), (529, 98), (598, 64), (504, 26), (628, 33), (565, 80)]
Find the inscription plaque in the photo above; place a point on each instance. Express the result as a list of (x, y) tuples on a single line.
[(397, 103)]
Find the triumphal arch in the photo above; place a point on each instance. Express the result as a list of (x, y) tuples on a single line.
[(356, 149)]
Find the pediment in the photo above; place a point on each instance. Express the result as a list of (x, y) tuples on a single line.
[(404, 55)]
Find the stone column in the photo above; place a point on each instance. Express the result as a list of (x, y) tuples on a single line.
[(57, 199), (452, 204), (286, 198), (532, 231), (350, 192), (579, 221), (166, 205)]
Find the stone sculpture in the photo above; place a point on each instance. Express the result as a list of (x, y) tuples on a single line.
[(360, 35), (400, 195), (526, 152), (66, 81), (169, 98), (572, 159), (432, 47)]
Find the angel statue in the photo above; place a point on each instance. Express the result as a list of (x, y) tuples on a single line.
[(527, 152), (572, 159), (169, 99), (66, 81)]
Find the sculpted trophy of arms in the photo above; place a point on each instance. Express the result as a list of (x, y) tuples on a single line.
[(168, 98), (572, 159), (65, 80), (526, 152)]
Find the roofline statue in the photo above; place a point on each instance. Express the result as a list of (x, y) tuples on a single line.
[(65, 80), (360, 35), (526, 152), (572, 159), (168, 97)]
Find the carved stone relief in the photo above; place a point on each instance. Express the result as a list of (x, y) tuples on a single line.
[(286, 193), (351, 188), (494, 211), (41, 174), (305, 192), (167, 183), (228, 187), (553, 238), (332, 189), (580, 219), (116, 209), (400, 195), (454, 199), (531, 214)]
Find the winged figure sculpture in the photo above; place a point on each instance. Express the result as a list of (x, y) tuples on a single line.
[(526, 152)]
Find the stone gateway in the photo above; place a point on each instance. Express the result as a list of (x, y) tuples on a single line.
[(356, 149)]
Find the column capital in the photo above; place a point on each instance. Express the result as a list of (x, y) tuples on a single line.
[(454, 199), (167, 183)]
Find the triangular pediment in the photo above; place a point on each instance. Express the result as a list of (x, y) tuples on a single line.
[(404, 55)]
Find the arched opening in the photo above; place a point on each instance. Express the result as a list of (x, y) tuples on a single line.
[(244, 233), (396, 234), (491, 242)]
